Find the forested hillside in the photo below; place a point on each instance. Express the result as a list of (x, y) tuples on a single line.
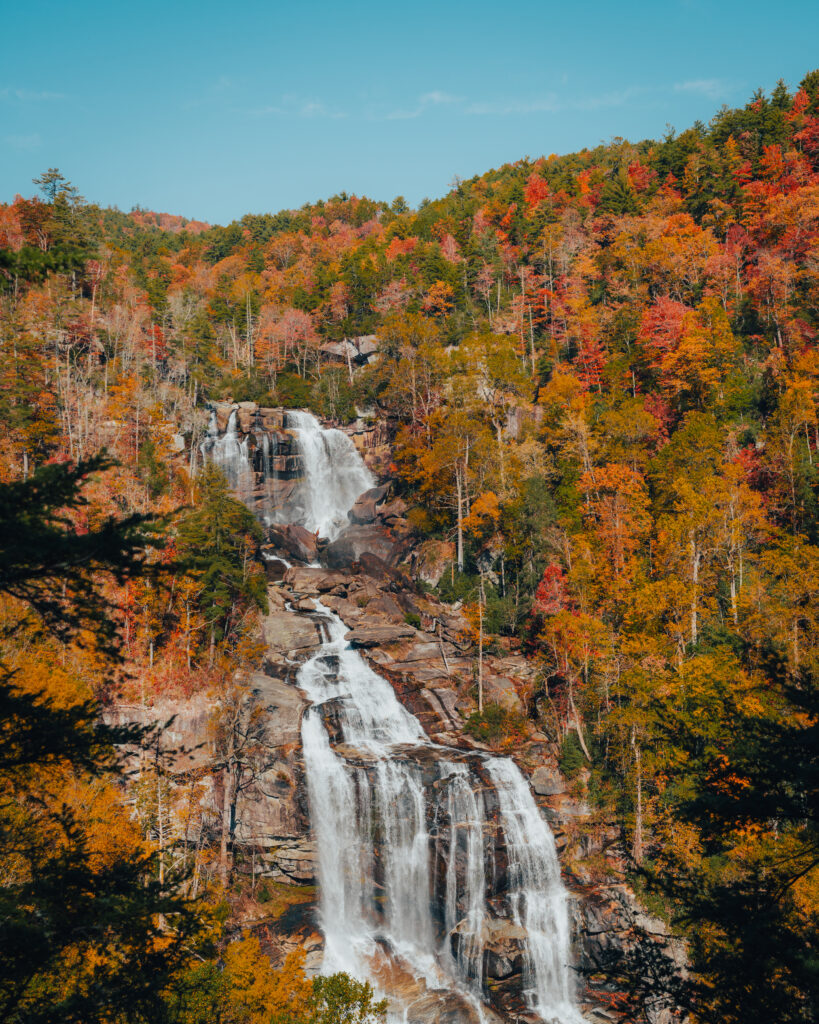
[(600, 374)]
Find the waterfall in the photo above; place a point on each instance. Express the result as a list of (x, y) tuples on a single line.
[(370, 809), (536, 895), (230, 455), (334, 475), (408, 831), (465, 897)]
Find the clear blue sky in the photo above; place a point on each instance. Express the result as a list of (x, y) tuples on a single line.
[(212, 110)]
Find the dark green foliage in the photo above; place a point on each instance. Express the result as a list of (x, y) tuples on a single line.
[(246, 387), (57, 571), (618, 196), (765, 769), (218, 543), (571, 758), (152, 469), (495, 723), (58, 898), (30, 265), (292, 391), (65, 902), (334, 397)]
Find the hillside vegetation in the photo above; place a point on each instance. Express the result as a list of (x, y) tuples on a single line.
[(601, 372)]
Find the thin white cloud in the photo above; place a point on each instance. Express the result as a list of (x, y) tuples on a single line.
[(23, 142), (298, 106), (607, 99), (496, 108), (551, 103), (436, 98), (31, 95), (713, 88)]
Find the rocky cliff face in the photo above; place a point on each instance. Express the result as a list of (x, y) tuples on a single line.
[(421, 647)]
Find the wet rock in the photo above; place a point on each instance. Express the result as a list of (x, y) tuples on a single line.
[(290, 637), (274, 568), (313, 581), (246, 415), (295, 541), (443, 1008), (347, 549), (271, 419), (365, 508), (223, 411)]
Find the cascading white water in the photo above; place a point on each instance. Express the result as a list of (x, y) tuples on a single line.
[(230, 455), (344, 799), (372, 790), (465, 896), (334, 475), (371, 806), (536, 895)]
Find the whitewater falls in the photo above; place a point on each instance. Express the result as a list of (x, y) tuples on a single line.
[(407, 830)]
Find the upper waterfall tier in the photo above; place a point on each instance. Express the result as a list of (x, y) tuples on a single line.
[(290, 470), (334, 475)]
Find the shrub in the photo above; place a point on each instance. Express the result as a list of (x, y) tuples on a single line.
[(571, 757)]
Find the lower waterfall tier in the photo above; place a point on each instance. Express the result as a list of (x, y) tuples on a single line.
[(432, 860)]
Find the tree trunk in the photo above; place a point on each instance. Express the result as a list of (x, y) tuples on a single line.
[(695, 579), (227, 805), (637, 847), (459, 499), (480, 647), (578, 728)]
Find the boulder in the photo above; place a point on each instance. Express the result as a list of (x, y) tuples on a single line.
[(246, 415), (274, 567), (288, 635), (502, 691), (223, 411), (393, 510), (310, 580), (375, 636), (431, 559), (366, 505), (547, 781), (386, 605), (367, 344), (295, 541), (376, 568), (271, 419), (355, 541)]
